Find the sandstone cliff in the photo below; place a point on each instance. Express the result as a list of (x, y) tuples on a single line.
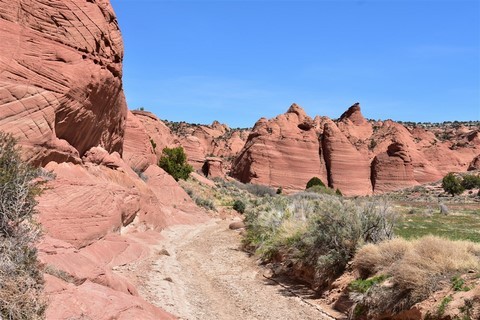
[(61, 96), (353, 154), (60, 80)]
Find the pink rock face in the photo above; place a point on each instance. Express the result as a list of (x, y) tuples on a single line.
[(93, 301), (202, 141), (475, 164), (348, 169), (353, 154), (212, 168), (354, 126), (138, 150), (159, 134), (392, 170), (60, 77), (281, 152)]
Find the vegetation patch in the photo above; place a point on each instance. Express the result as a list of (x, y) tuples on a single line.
[(21, 279), (415, 270), (174, 162), (317, 231), (461, 225), (363, 286)]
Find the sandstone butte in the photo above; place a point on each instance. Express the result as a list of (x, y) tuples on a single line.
[(352, 154), (61, 96)]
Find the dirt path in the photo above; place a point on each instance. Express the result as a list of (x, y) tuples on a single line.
[(202, 274)]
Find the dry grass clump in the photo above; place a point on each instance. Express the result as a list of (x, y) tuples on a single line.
[(414, 269)]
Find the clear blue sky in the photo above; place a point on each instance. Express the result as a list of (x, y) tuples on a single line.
[(236, 61)]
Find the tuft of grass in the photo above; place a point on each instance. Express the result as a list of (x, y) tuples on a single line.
[(363, 286), (443, 305), (458, 284)]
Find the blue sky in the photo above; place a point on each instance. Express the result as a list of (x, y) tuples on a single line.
[(236, 61)]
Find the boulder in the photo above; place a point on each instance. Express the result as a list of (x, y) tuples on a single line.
[(475, 164)]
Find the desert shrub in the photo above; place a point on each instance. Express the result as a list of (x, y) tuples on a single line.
[(470, 182), (320, 231), (415, 270), (174, 162), (21, 280), (259, 190), (322, 189), (315, 181), (452, 184), (154, 145), (205, 203), (239, 206), (339, 193)]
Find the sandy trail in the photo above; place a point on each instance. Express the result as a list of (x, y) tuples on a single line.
[(206, 276)]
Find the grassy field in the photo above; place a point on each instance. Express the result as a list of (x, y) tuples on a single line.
[(459, 224)]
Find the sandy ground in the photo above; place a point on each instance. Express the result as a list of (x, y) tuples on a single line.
[(200, 273)]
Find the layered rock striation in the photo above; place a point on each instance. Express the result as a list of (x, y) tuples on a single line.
[(353, 154), (282, 152), (60, 80), (61, 96)]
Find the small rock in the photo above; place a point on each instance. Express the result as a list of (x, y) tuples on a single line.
[(168, 279), (236, 225), (268, 273), (163, 252), (443, 209)]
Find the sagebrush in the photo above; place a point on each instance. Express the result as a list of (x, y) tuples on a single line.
[(317, 231), (21, 279)]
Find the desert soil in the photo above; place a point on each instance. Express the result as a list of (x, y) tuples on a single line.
[(201, 273)]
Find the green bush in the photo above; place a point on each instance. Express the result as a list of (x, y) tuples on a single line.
[(239, 206), (321, 189), (315, 181), (21, 280), (174, 162), (452, 184), (470, 182), (362, 286)]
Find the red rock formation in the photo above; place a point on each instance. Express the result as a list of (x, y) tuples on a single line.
[(475, 164), (348, 169), (212, 168), (60, 80), (350, 149), (61, 96), (282, 152), (202, 141), (158, 133), (353, 125), (138, 148), (392, 170)]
